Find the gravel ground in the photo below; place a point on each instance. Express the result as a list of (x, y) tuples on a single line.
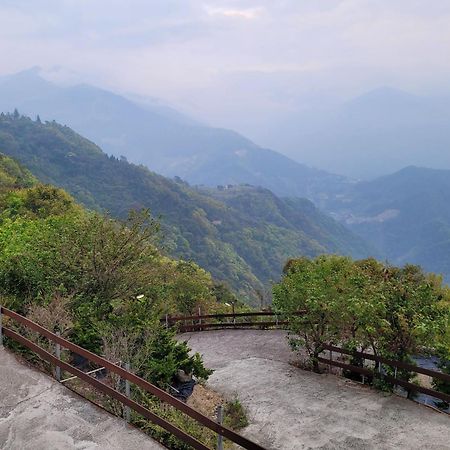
[(290, 408)]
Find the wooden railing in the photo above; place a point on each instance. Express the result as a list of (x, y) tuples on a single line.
[(124, 374), (394, 380), (229, 320), (244, 320)]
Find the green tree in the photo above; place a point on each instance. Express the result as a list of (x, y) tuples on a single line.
[(362, 304), (319, 287), (40, 201)]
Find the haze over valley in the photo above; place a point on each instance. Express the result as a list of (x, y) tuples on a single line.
[(403, 217)]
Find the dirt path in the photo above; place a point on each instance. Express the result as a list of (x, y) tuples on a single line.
[(37, 413), (294, 409)]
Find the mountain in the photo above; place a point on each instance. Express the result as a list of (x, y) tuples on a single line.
[(405, 215), (375, 134), (13, 175), (163, 139), (242, 235)]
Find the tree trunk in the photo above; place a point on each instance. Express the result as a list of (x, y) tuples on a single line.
[(315, 361)]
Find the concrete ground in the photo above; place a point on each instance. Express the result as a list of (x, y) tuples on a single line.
[(290, 408), (37, 413)]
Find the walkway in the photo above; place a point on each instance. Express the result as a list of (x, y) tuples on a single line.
[(290, 408), (37, 413)]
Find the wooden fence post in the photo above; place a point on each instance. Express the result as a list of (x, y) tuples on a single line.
[(128, 394), (58, 355), (1, 324), (220, 422)]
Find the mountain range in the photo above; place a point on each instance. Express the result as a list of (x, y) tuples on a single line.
[(405, 215), (241, 234), (162, 139), (375, 134), (402, 217)]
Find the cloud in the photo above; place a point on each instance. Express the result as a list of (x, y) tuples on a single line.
[(248, 13), (233, 61)]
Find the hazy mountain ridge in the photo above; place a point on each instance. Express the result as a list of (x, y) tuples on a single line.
[(405, 215), (374, 134), (381, 211), (168, 142), (234, 243)]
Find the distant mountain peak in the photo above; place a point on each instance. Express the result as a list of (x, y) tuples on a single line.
[(31, 76), (387, 91), (162, 138), (384, 96), (34, 71)]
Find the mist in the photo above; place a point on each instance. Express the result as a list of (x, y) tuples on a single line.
[(281, 73)]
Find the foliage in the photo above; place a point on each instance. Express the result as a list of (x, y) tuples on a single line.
[(168, 356), (13, 175), (444, 366), (234, 415), (55, 316), (240, 235), (112, 271), (318, 286), (362, 304), (104, 274), (234, 418), (39, 201), (174, 416)]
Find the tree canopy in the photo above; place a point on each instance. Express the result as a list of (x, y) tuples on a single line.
[(363, 304)]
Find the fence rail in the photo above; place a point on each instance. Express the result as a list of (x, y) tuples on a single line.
[(126, 375), (197, 324), (391, 379), (238, 320)]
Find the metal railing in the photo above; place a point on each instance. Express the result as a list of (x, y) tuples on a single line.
[(124, 374)]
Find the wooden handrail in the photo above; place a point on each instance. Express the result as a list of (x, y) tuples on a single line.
[(157, 392), (106, 390), (201, 326), (390, 362), (393, 380), (227, 315)]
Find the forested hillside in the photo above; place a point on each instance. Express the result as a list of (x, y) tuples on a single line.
[(406, 216), (163, 139), (243, 246), (102, 284)]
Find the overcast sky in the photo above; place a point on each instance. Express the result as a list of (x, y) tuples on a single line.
[(234, 62)]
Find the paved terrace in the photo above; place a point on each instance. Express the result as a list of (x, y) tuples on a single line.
[(290, 408), (37, 413)]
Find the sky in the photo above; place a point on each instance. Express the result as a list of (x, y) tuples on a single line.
[(234, 63)]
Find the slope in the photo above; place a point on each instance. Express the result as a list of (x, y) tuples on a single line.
[(168, 142), (236, 244), (406, 215)]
